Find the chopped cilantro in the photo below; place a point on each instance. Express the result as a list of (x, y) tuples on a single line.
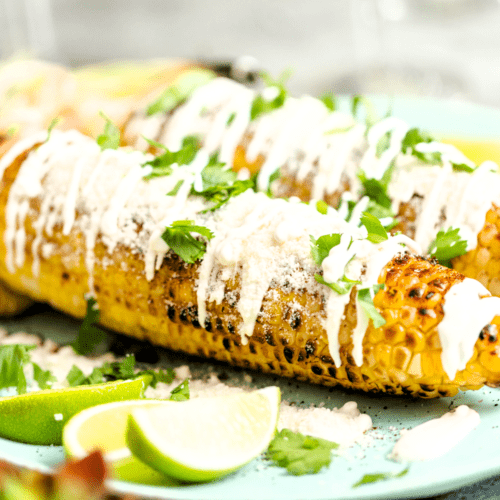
[(365, 300), (181, 392), (376, 231), (383, 144), (359, 101), (117, 370), (300, 454), (44, 378), (376, 189), (89, 335), (162, 164), (340, 130), (342, 286), (380, 476), (462, 167), (13, 359), (55, 121), (320, 248), (178, 237), (174, 191), (261, 104), (447, 245), (231, 118), (110, 138), (322, 207), (329, 101), (179, 91), (220, 184)]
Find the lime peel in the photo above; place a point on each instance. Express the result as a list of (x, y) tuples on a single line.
[(206, 438)]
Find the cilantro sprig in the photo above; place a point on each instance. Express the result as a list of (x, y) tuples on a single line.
[(89, 335), (329, 100), (178, 237), (110, 138), (414, 137), (54, 122), (365, 300), (376, 231), (300, 454), (261, 104), (13, 359), (162, 164), (380, 476), (178, 92), (117, 370), (447, 245), (181, 392), (358, 102)]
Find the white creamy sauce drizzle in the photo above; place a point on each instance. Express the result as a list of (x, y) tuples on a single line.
[(436, 437), (468, 308), (361, 261)]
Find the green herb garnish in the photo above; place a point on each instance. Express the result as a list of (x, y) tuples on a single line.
[(320, 248), (13, 359), (179, 91), (322, 207), (118, 370), (447, 245), (55, 121), (89, 335), (110, 138), (181, 392), (376, 231), (365, 300), (300, 454), (383, 144), (380, 476), (44, 378), (162, 164), (262, 105), (329, 101), (231, 118), (342, 286), (178, 237), (359, 101)]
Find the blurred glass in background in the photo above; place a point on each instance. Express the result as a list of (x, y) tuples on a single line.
[(438, 48)]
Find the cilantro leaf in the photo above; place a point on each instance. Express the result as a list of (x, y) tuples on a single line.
[(13, 359), (178, 238), (320, 248), (300, 454), (413, 137), (447, 245), (322, 207), (261, 104), (359, 101), (44, 378), (365, 300), (462, 167), (179, 91), (54, 122), (340, 130), (376, 231), (220, 184), (342, 286), (380, 476), (174, 191), (118, 370), (231, 118), (110, 138), (383, 144), (89, 335), (162, 164), (329, 101), (181, 392), (376, 189)]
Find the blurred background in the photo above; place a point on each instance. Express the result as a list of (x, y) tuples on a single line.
[(439, 48)]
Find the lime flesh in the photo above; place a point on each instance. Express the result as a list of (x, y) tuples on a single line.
[(207, 438), (103, 427), (39, 417)]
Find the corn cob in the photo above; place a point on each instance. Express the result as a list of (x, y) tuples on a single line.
[(320, 154), (50, 260)]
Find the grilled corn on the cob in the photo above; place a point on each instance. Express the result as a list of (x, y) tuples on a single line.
[(324, 155), (76, 220)]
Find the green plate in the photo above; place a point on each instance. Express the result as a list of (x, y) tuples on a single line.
[(476, 458)]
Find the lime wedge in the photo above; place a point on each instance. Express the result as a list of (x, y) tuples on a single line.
[(39, 417), (206, 438), (103, 428)]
